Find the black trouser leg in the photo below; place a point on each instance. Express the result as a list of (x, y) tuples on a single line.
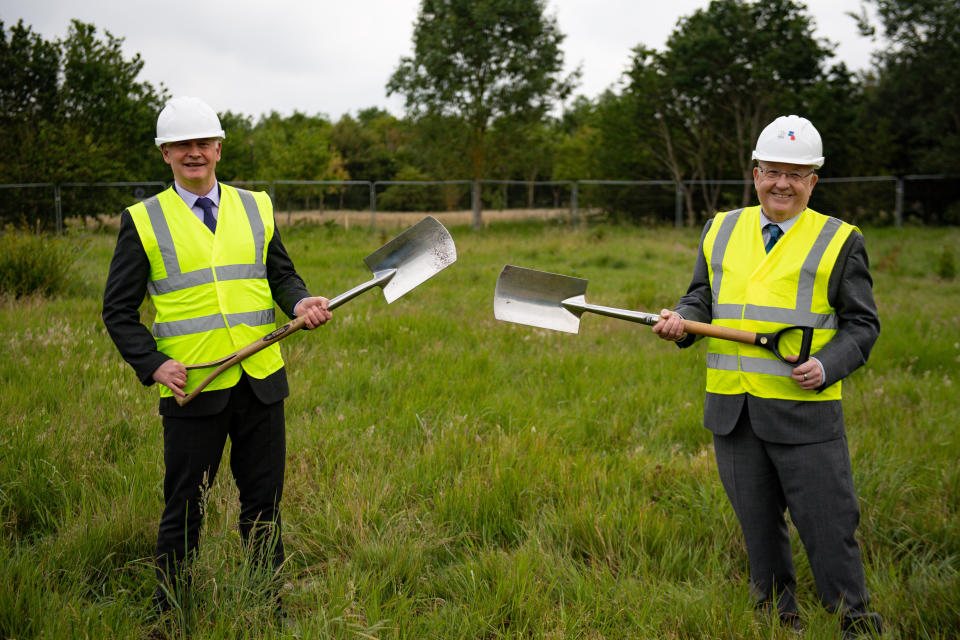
[(192, 448), (753, 487), (257, 461)]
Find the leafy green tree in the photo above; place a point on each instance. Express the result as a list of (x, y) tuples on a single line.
[(29, 68), (297, 148), (370, 145), (238, 157), (73, 110), (727, 71), (479, 61), (918, 86)]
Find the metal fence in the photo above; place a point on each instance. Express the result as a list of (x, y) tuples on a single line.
[(878, 200)]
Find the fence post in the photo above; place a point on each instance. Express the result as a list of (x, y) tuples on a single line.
[(678, 207), (373, 205), (475, 203), (57, 209), (574, 204), (898, 204)]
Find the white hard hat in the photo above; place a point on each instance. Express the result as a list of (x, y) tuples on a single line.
[(187, 118), (790, 139)]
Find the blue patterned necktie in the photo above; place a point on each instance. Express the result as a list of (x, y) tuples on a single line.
[(207, 205), (775, 232)]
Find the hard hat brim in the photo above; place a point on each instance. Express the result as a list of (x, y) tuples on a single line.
[(812, 162), (192, 136)]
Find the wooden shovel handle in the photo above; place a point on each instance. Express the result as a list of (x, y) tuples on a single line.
[(225, 363), (716, 331), (768, 341)]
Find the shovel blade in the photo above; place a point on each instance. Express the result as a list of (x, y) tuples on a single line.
[(419, 253), (531, 297)]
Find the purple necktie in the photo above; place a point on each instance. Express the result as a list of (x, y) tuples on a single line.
[(207, 205)]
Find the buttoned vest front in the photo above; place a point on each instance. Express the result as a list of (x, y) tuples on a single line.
[(210, 290), (760, 292)]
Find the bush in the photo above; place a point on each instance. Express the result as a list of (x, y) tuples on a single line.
[(31, 263), (946, 267)]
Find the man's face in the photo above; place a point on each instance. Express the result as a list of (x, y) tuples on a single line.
[(193, 162), (783, 189)]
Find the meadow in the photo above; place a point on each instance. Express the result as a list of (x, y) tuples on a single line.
[(453, 476)]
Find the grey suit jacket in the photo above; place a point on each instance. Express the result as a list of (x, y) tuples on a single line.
[(125, 290), (850, 291)]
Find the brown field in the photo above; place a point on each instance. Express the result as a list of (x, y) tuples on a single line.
[(383, 219)]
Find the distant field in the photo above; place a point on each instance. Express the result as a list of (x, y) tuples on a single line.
[(387, 219), (452, 476)]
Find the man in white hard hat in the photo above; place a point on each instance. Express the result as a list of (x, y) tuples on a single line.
[(778, 429), (211, 259)]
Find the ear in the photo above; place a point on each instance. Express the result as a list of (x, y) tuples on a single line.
[(165, 153)]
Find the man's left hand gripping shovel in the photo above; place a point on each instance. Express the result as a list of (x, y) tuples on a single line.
[(399, 266), (554, 301)]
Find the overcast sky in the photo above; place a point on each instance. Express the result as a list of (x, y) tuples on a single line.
[(331, 58)]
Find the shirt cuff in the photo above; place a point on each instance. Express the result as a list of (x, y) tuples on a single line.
[(823, 372)]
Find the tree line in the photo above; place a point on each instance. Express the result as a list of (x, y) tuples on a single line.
[(486, 98)]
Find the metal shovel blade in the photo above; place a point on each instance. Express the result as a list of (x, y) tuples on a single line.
[(417, 254), (535, 298)]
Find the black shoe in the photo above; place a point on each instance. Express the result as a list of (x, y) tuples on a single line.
[(156, 633), (867, 625), (791, 621)]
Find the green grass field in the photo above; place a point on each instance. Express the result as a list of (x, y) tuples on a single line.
[(452, 476)]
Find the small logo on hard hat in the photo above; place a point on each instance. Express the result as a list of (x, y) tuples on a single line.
[(792, 136)]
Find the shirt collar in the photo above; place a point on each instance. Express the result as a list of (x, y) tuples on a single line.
[(785, 225), (191, 198)]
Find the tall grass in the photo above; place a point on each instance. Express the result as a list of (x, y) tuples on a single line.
[(451, 476), (35, 264)]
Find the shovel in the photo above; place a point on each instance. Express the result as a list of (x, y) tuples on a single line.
[(410, 259), (554, 301)]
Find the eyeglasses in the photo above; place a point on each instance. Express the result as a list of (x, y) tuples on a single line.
[(773, 175)]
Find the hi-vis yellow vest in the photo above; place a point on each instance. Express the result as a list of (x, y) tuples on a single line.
[(210, 290), (761, 292)]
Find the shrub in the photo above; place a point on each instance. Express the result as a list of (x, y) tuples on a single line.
[(946, 267), (31, 263)]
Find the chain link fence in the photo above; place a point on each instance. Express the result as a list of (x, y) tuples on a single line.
[(867, 200)]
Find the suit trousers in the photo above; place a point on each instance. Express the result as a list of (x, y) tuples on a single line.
[(193, 447), (814, 481)]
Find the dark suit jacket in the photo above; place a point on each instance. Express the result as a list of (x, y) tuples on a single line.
[(124, 293), (850, 291)]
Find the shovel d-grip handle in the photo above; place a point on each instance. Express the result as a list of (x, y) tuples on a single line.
[(380, 278), (235, 358), (768, 341)]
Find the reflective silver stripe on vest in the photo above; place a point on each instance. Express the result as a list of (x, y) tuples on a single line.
[(168, 252), (790, 316), (251, 318), (188, 326), (211, 323), (801, 314), (180, 281), (256, 223), (724, 362), (242, 272), (769, 367), (716, 256), (176, 280)]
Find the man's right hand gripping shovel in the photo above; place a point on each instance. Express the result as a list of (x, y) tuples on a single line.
[(399, 266)]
